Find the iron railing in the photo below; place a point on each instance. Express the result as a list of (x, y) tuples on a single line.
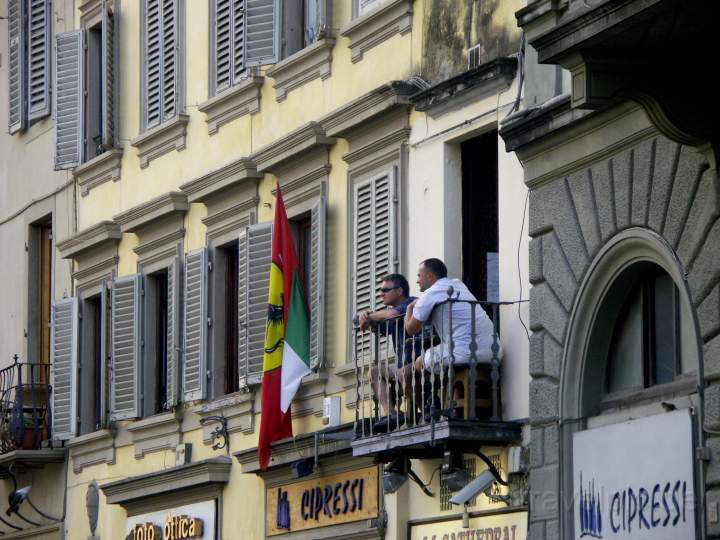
[(458, 381), (24, 406)]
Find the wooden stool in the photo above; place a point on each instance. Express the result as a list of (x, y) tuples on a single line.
[(461, 390)]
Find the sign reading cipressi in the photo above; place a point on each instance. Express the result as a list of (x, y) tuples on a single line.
[(635, 479), (328, 500)]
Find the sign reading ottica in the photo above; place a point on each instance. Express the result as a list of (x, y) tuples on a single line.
[(188, 522), (635, 479), (321, 502)]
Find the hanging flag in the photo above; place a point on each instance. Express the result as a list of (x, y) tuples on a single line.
[(287, 337)]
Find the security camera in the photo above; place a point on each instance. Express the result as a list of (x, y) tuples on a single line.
[(481, 484)]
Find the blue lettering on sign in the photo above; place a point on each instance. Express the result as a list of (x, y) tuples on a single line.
[(331, 500), (283, 510), (639, 507)]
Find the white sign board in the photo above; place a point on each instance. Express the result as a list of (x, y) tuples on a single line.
[(167, 522), (635, 479), (510, 526)]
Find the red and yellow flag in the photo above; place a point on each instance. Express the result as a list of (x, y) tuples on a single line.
[(287, 337)]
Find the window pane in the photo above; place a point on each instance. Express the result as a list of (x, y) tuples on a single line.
[(625, 365), (664, 329)]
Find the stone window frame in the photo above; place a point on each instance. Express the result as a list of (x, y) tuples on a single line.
[(393, 17), (628, 247)]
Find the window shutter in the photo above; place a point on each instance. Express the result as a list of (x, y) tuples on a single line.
[(255, 253), (262, 26), (109, 58), (238, 39), (161, 77), (317, 283), (196, 320), (126, 347), (38, 59), (374, 252), (173, 334), (170, 55), (65, 368), (69, 96), (153, 62), (105, 317), (228, 43), (16, 65)]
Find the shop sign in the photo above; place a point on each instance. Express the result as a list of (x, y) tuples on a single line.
[(320, 502), (635, 479), (188, 522), (508, 526)]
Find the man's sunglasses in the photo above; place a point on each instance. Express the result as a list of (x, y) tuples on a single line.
[(387, 289)]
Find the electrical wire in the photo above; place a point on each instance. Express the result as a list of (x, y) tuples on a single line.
[(31, 522), (522, 228), (43, 514), (521, 67)]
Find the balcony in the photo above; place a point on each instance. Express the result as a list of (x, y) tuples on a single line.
[(452, 403), (25, 417)]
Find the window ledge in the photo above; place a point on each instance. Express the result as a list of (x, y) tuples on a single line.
[(302, 67), (158, 432), (161, 139), (97, 171), (237, 101), (391, 18), (92, 449)]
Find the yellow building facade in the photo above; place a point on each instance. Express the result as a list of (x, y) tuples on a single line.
[(378, 119)]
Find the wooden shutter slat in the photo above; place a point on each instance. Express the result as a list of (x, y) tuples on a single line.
[(222, 35), (317, 282), (172, 384), (238, 40), (16, 66), (65, 334), (69, 96), (195, 326), (261, 32), (126, 347), (153, 63), (108, 54), (38, 60)]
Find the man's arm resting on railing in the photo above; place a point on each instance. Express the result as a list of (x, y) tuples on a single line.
[(365, 318), (412, 325)]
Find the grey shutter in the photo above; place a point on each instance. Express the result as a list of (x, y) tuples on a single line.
[(105, 317), (317, 283), (109, 58), (256, 257), (65, 368), (161, 74), (172, 383), (171, 56), (228, 43), (16, 65), (195, 329), (374, 251), (69, 99), (126, 347), (261, 32), (242, 311), (38, 59)]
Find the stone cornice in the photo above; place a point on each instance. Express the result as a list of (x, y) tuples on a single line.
[(161, 139), (396, 137), (92, 449), (367, 107), (200, 473), (164, 247), (305, 65), (295, 191), (94, 237), (235, 102), (102, 267), (155, 433), (238, 211), (215, 182), (103, 168), (290, 147), (390, 18), (146, 213)]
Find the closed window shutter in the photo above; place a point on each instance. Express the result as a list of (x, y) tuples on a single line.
[(317, 283), (374, 251), (238, 40), (126, 347), (65, 368), (38, 59), (261, 32), (69, 96), (172, 384), (195, 330), (254, 287), (161, 78), (228, 43), (105, 347), (16, 65), (109, 58), (170, 50)]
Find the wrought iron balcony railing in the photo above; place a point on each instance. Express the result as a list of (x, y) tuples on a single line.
[(24, 406), (447, 373)]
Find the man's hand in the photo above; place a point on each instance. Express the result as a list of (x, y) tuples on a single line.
[(364, 319)]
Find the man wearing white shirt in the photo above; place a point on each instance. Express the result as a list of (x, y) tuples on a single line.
[(434, 283)]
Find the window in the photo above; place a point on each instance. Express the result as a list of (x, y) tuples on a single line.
[(28, 62), (646, 342), (92, 388), (40, 257), (246, 33), (86, 91), (364, 6), (480, 216), (162, 66), (155, 361)]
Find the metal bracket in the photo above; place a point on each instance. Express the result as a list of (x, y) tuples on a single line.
[(218, 432)]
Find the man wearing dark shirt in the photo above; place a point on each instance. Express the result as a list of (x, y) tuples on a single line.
[(389, 322)]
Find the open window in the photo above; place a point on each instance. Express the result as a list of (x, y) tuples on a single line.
[(92, 402)]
